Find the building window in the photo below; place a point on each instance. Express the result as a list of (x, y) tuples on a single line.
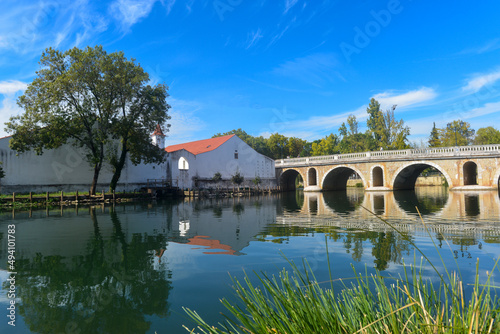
[(236, 154), (183, 164)]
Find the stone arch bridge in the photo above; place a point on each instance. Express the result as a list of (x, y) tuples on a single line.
[(463, 167)]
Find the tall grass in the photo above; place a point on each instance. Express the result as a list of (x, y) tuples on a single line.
[(294, 302)]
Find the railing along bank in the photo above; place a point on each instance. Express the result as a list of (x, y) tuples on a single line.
[(434, 152)]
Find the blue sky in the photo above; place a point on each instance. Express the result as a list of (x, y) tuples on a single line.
[(290, 66)]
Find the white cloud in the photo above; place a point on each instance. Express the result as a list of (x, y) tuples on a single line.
[(129, 12), (253, 38), (11, 87), (388, 99), (317, 126), (315, 69), (479, 81), (491, 45), (289, 4), (8, 108), (184, 123)]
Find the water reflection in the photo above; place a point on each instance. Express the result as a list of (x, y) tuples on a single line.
[(107, 282), (131, 268), (429, 202)]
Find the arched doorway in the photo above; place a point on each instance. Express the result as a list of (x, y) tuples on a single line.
[(470, 173), (312, 177), (378, 177)]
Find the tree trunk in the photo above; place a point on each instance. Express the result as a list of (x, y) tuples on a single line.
[(93, 187), (119, 167)]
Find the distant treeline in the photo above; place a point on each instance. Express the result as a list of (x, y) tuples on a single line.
[(383, 132)]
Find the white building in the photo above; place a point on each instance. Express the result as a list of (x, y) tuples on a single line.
[(188, 165), (194, 164), (66, 169)]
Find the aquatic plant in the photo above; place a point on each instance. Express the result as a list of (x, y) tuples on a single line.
[(295, 302)]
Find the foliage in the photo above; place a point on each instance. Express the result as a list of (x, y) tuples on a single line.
[(295, 146), (387, 132), (217, 177), (487, 135), (257, 180), (237, 178), (88, 98), (2, 172), (457, 133), (278, 145), (325, 146), (434, 140)]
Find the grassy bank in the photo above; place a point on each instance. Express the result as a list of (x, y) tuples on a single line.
[(295, 302)]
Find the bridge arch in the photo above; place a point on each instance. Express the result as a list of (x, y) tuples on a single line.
[(288, 177), (377, 176), (336, 178), (406, 175)]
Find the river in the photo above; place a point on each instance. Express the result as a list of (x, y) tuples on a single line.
[(131, 268)]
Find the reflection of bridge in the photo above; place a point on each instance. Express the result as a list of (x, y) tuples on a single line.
[(464, 167), (434, 202)]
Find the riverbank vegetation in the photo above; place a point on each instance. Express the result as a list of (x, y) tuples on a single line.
[(296, 302)]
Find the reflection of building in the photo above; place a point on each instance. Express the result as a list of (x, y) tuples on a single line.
[(194, 164)]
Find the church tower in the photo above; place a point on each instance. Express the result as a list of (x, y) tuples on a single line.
[(158, 137)]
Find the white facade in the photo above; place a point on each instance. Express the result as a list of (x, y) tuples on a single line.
[(66, 169), (234, 155)]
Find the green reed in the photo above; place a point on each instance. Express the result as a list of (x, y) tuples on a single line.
[(294, 302)]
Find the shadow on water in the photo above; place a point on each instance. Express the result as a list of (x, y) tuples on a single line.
[(344, 201), (427, 203), (291, 201), (109, 286)]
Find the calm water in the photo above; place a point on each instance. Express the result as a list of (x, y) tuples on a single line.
[(131, 268)]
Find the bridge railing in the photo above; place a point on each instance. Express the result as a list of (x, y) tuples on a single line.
[(457, 151)]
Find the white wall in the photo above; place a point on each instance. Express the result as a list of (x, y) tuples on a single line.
[(250, 163), (65, 169)]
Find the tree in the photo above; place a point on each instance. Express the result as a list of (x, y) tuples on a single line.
[(387, 132), (457, 133), (487, 135), (325, 146), (140, 108), (87, 98), (237, 179), (2, 173), (434, 140), (278, 145), (295, 146), (374, 118)]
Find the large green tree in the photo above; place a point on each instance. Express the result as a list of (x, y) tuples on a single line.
[(487, 135), (325, 146), (88, 98), (387, 132), (457, 133)]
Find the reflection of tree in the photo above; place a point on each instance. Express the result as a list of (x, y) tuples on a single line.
[(238, 208), (109, 289), (408, 200), (388, 247)]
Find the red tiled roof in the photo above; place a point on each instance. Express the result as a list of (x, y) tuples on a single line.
[(200, 146), (158, 131)]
